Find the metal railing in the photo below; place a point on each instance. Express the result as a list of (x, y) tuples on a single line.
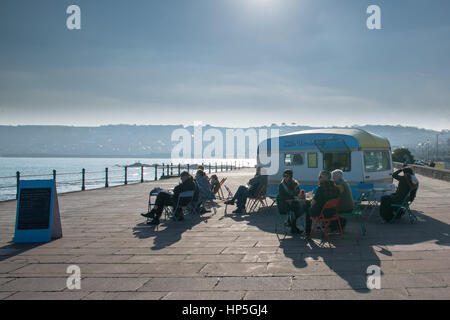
[(123, 176)]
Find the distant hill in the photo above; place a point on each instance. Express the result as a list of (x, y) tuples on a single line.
[(154, 141)]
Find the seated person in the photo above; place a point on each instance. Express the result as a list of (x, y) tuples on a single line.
[(165, 198), (204, 188), (215, 183), (327, 190), (288, 199), (406, 183), (346, 204), (254, 187)]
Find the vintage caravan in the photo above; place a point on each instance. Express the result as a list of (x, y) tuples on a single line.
[(365, 158)]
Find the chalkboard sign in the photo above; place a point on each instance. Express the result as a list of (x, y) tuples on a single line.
[(34, 208), (37, 217)]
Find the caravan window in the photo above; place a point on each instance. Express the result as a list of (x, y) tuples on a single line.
[(293, 159), (375, 161), (333, 161)]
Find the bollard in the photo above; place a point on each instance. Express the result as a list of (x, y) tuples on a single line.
[(83, 179), (106, 178), (156, 172), (126, 175), (142, 174), (18, 182)]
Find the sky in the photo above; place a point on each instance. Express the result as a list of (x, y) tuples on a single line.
[(233, 63)]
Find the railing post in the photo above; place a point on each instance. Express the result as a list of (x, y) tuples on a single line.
[(188, 167), (171, 169), (179, 169), (18, 182), (54, 175), (221, 167), (156, 172), (83, 179), (106, 178), (142, 174), (168, 167), (216, 167), (163, 169), (209, 169), (126, 175)]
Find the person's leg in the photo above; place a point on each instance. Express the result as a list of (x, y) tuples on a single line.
[(297, 212), (385, 208), (241, 198), (237, 195)]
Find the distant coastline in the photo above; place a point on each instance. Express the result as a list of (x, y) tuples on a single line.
[(156, 156)]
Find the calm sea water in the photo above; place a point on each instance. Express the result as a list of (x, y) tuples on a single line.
[(68, 171)]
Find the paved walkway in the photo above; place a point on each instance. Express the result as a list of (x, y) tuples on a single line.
[(223, 257)]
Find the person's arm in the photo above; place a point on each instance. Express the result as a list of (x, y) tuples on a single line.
[(396, 174)]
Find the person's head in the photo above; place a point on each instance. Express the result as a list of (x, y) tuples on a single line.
[(324, 175), (200, 173), (185, 176), (214, 178), (201, 168), (287, 175), (338, 175), (408, 170)]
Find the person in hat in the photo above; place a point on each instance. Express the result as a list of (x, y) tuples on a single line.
[(288, 200)]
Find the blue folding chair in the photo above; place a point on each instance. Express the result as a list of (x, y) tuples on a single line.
[(187, 198)]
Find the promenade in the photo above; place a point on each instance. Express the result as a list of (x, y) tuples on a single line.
[(219, 256)]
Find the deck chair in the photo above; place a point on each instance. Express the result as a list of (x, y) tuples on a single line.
[(272, 193), (230, 194), (331, 205), (151, 204), (397, 208), (260, 200), (356, 212), (218, 192)]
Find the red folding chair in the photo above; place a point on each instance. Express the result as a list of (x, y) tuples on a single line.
[(330, 205)]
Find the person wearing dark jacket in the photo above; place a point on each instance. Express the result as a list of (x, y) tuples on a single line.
[(243, 192), (288, 200), (327, 190), (406, 183), (165, 198)]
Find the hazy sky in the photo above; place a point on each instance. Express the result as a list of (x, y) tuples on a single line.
[(225, 62)]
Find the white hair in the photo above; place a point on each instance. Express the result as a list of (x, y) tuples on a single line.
[(338, 173)]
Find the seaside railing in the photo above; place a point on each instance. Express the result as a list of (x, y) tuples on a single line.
[(123, 176)]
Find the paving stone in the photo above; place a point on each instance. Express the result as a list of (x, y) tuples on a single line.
[(235, 269), (125, 296), (429, 293), (180, 284), (204, 295), (48, 295), (254, 283), (35, 284), (112, 284)]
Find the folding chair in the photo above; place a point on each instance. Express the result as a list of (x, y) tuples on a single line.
[(219, 191), (404, 206), (230, 194), (151, 204), (331, 205), (356, 212), (272, 193), (187, 197), (260, 200)]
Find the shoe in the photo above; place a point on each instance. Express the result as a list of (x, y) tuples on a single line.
[(229, 202), (155, 221), (147, 215)]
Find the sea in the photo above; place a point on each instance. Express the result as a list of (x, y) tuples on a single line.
[(69, 171)]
